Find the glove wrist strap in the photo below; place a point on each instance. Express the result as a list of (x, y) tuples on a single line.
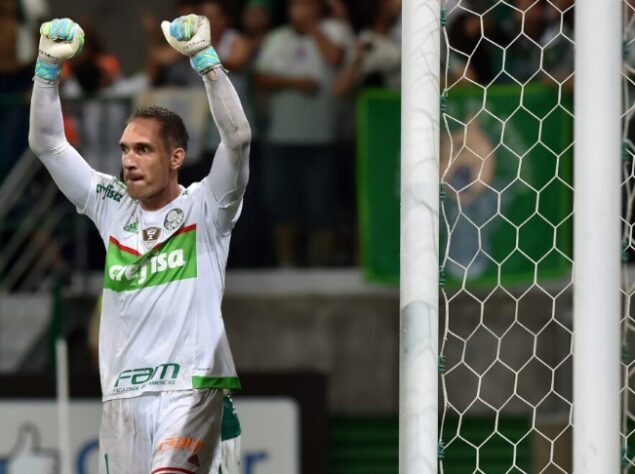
[(205, 60), (47, 71)]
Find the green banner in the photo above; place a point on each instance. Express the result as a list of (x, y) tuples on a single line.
[(506, 172)]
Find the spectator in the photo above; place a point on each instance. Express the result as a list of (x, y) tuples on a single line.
[(522, 39), (15, 83), (233, 49), (297, 66), (338, 10), (232, 43), (256, 22), (557, 41), (346, 230), (377, 60), (93, 70), (29, 14), (251, 244), (339, 22), (469, 57)]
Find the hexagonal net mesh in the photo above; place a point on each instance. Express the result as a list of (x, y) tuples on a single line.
[(506, 236)]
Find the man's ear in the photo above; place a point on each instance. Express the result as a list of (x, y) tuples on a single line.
[(176, 158)]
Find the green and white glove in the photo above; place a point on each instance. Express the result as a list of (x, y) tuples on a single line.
[(60, 39), (190, 36)]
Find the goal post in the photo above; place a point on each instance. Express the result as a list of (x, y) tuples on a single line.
[(597, 151), (419, 259)]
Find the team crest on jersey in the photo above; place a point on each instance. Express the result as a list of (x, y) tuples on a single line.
[(151, 236), (173, 220)]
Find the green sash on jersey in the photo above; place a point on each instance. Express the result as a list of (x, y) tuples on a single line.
[(128, 270)]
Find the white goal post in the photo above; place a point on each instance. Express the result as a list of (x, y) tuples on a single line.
[(596, 361), (419, 260)]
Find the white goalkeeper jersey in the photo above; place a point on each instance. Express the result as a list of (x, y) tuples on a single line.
[(161, 325)]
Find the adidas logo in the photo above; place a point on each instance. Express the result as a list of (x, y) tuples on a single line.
[(131, 227), (193, 459)]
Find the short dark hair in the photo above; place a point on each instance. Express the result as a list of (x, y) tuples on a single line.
[(171, 126)]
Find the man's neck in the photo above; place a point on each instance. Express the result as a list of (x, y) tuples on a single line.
[(161, 199)]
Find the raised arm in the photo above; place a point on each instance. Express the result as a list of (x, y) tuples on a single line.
[(230, 170), (60, 40)]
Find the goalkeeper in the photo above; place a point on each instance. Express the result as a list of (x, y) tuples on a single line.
[(164, 358)]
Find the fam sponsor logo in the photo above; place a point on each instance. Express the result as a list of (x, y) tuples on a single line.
[(130, 380), (156, 264), (109, 192), (183, 443)]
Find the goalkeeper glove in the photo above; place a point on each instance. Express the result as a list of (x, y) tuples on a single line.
[(60, 39), (190, 36)]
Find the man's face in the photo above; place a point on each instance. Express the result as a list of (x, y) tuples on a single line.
[(217, 18), (391, 9), (145, 159), (302, 13), (256, 19)]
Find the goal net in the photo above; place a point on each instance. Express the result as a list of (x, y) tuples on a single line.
[(528, 339), (506, 218)]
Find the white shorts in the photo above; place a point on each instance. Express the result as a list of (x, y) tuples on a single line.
[(162, 433), (230, 464)]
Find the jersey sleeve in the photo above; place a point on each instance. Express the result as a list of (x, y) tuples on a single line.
[(81, 184), (47, 140), (106, 197), (224, 188)]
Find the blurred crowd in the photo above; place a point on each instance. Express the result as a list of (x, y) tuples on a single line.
[(510, 42), (298, 66)]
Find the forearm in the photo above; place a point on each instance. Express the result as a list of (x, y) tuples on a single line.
[(46, 124), (230, 169), (227, 110)]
